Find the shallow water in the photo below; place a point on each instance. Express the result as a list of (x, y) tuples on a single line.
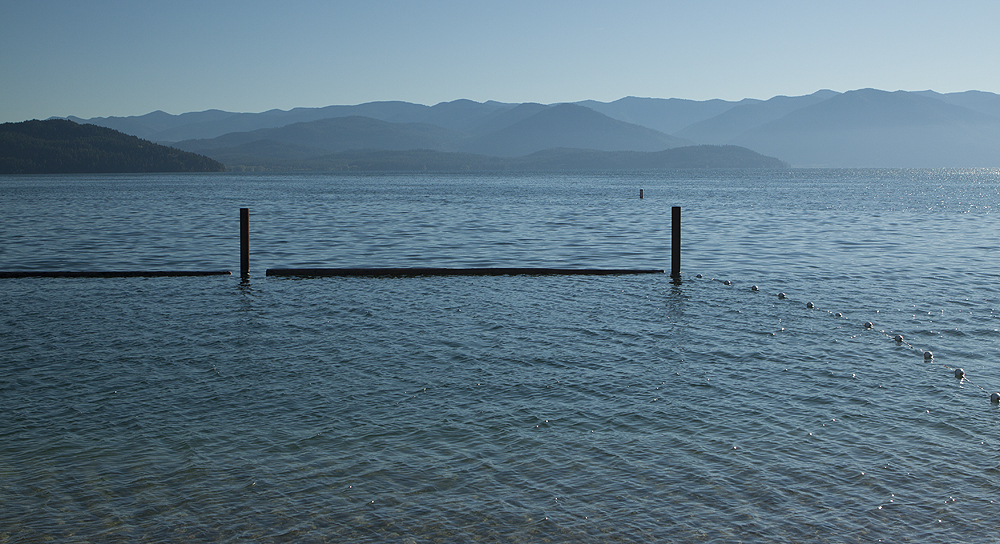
[(528, 408)]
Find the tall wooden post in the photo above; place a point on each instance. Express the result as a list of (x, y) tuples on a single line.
[(675, 243), (245, 243)]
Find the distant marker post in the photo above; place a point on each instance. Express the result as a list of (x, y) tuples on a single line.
[(245, 243)]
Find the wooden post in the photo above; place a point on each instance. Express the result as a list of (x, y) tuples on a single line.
[(675, 244), (244, 243), (640, 194)]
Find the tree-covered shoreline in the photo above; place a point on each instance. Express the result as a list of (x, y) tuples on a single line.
[(58, 146)]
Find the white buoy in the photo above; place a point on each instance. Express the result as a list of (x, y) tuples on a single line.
[(810, 305), (959, 373), (928, 355), (995, 398), (755, 288), (781, 295), (868, 324), (899, 338)]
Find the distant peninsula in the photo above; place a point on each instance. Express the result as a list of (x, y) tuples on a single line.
[(550, 160), (59, 146)]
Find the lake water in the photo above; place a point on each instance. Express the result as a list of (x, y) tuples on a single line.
[(503, 409)]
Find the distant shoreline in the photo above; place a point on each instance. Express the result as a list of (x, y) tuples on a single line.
[(553, 160)]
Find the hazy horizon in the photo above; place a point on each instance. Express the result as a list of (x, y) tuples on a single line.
[(491, 100), (118, 58)]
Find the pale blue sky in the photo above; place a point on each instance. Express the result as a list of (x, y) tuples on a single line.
[(104, 57)]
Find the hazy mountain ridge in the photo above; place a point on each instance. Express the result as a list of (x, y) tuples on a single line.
[(163, 127), (569, 126), (731, 123), (338, 134), (668, 115), (980, 101), (523, 130), (862, 128), (872, 128), (504, 118)]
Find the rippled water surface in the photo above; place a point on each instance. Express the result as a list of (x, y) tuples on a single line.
[(503, 409)]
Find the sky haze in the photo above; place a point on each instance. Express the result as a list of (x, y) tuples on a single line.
[(121, 58)]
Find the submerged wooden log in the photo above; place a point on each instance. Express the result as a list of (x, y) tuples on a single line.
[(403, 272), (110, 273)]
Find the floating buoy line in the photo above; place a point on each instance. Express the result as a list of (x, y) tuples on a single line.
[(898, 338)]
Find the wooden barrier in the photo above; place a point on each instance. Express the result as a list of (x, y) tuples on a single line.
[(675, 265), (675, 269), (111, 273), (407, 272)]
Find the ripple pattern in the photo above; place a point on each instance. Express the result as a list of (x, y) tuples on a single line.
[(522, 409)]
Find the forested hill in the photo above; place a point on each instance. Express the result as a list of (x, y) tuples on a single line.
[(58, 146)]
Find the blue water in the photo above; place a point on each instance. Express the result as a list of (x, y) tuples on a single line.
[(503, 409)]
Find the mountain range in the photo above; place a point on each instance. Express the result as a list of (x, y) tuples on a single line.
[(861, 128)]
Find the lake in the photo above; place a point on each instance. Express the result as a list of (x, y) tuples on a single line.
[(509, 408)]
